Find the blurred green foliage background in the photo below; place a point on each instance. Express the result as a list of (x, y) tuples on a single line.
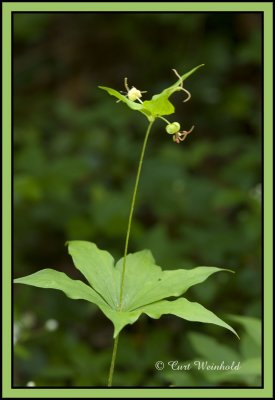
[(75, 157)]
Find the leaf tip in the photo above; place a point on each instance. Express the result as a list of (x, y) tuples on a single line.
[(229, 270), (199, 66), (235, 333)]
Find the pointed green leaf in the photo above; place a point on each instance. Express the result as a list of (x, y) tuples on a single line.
[(146, 283), (185, 309), (171, 89), (133, 105), (177, 282), (98, 268), (51, 279), (77, 290), (159, 104), (181, 308)]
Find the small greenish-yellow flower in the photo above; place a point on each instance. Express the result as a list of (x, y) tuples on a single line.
[(133, 94)]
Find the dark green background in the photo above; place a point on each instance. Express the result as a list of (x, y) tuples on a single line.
[(75, 157)]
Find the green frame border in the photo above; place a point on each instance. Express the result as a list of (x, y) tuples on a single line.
[(267, 390)]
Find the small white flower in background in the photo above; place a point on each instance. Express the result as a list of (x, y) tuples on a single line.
[(51, 325), (30, 384), (28, 319)]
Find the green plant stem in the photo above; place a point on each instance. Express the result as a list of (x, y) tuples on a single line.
[(111, 373), (112, 366), (165, 120), (132, 212)]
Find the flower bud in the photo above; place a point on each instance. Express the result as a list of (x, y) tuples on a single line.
[(172, 128)]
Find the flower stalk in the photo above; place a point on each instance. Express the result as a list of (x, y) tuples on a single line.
[(113, 360)]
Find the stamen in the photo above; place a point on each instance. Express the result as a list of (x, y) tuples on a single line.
[(181, 86), (190, 130), (177, 74), (181, 136), (188, 95), (184, 134), (126, 84)]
